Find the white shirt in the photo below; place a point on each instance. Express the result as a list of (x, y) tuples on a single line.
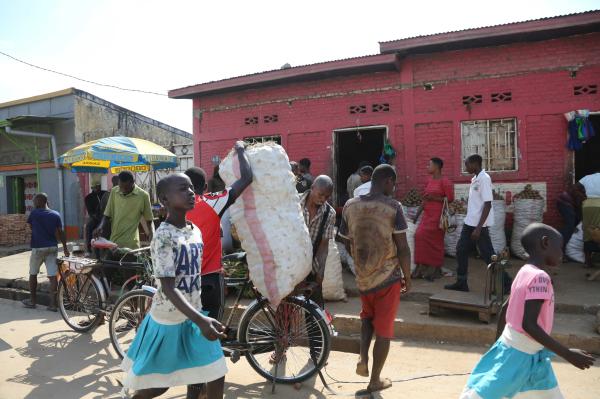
[(363, 189), (480, 192), (592, 185)]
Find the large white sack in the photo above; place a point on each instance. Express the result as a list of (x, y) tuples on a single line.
[(451, 238), (574, 248), (410, 238), (269, 221), (333, 283), (497, 234), (526, 211)]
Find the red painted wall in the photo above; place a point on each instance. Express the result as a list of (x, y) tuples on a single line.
[(422, 123)]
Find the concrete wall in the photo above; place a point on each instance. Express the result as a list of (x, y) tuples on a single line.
[(424, 123)]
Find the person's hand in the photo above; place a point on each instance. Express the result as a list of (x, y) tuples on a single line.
[(580, 359), (211, 328), (240, 146), (475, 234), (406, 285), (97, 232)]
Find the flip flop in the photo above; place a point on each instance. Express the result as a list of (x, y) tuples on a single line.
[(383, 384), (27, 303), (362, 369)]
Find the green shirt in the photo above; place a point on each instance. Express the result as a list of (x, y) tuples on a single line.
[(125, 213)]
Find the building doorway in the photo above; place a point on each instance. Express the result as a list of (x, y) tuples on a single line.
[(351, 147), (587, 160)]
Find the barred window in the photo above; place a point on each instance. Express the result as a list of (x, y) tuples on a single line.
[(494, 139), (262, 139)]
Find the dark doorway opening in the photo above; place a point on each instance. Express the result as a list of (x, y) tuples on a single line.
[(16, 194), (352, 146), (587, 160)]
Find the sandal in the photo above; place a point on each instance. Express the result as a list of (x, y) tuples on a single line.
[(380, 386), (27, 303)]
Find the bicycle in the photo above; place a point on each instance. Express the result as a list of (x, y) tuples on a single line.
[(84, 291), (289, 344)]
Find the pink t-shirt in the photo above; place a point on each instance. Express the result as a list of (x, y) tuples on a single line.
[(531, 283)]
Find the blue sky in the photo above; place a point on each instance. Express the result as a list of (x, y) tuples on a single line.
[(160, 45)]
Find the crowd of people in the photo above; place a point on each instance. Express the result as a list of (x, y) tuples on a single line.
[(178, 342)]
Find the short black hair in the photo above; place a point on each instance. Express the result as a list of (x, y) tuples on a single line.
[(437, 161), (126, 177), (382, 172), (363, 163), (366, 170), (475, 158), (198, 177), (305, 162), (165, 184), (534, 233), (41, 197), (115, 180)]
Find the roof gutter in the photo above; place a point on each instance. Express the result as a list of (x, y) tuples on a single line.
[(61, 197)]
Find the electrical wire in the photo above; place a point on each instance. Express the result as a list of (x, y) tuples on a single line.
[(421, 377), (81, 79)]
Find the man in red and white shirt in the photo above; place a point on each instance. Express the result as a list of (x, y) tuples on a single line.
[(207, 214)]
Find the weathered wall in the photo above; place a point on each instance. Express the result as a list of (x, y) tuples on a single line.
[(424, 123)]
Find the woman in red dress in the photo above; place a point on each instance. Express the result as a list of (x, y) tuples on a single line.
[(429, 238)]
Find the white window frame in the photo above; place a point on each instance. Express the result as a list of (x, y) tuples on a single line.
[(263, 139), (489, 140)]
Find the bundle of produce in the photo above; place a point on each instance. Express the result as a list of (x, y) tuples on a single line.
[(269, 221), (497, 234), (528, 208), (497, 196), (451, 238), (333, 283), (458, 207), (411, 203)]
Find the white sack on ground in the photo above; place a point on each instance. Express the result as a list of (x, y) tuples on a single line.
[(574, 248), (345, 257), (451, 238), (497, 234), (410, 212), (410, 238), (526, 211), (269, 221), (333, 283)]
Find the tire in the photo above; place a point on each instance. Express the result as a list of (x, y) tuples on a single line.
[(80, 302), (125, 318), (257, 325)]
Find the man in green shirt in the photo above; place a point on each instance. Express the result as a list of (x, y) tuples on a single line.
[(128, 205)]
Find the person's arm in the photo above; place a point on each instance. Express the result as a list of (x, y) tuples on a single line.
[(238, 187), (108, 213), (323, 249), (211, 328), (502, 319), (488, 196), (342, 234), (147, 216), (60, 234), (576, 357), (403, 251), (89, 206)]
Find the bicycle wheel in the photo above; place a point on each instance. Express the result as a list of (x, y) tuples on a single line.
[(80, 302), (288, 345), (125, 318)]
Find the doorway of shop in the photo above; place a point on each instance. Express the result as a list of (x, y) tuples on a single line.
[(587, 160), (351, 147)]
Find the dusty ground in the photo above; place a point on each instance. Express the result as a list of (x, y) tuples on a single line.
[(42, 358)]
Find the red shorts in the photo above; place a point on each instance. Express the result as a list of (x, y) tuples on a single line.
[(380, 307)]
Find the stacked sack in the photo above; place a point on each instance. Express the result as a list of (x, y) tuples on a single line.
[(333, 283), (528, 208), (269, 221), (497, 234), (14, 230), (411, 203), (459, 209)]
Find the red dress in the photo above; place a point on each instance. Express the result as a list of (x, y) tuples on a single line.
[(429, 238)]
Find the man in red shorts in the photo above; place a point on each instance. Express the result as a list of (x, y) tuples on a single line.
[(374, 231)]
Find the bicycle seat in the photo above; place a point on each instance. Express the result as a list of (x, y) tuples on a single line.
[(235, 257)]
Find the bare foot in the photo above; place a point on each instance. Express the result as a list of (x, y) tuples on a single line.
[(362, 369), (380, 385)]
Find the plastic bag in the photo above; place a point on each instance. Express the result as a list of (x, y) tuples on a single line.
[(526, 211), (574, 248), (497, 234), (103, 243)]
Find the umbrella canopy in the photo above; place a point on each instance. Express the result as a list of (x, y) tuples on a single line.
[(117, 154)]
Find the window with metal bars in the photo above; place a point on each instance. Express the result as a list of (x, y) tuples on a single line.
[(262, 139), (495, 140)]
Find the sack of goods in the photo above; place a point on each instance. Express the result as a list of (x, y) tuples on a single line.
[(411, 203), (497, 234), (574, 248), (410, 238), (345, 257), (528, 208), (269, 221), (333, 283), (459, 209)]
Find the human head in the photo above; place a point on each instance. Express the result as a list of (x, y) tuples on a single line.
[(40, 201), (115, 180), (294, 167), (176, 192), (362, 164), (198, 177), (384, 179), (304, 165), (321, 190), (542, 241), (435, 165), (365, 173), (96, 187), (473, 163), (126, 182)]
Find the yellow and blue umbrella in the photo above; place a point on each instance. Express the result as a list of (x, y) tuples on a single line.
[(117, 154)]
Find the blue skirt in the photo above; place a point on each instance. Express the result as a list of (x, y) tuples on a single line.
[(168, 355), (515, 367)]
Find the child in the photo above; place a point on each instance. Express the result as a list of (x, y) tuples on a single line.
[(518, 365), (46, 226), (176, 344)]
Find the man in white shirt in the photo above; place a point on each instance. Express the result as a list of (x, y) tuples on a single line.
[(480, 215), (592, 185), (365, 174)]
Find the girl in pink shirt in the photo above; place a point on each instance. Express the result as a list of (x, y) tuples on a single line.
[(518, 365)]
